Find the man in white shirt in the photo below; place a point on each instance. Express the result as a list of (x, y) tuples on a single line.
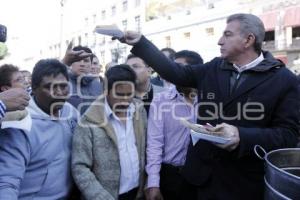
[(109, 142)]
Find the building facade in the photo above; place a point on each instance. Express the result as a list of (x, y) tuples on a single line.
[(179, 24)]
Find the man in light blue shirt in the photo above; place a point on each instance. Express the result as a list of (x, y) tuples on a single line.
[(35, 153)]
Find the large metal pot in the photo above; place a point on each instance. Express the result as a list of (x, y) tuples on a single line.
[(282, 170), (272, 194)]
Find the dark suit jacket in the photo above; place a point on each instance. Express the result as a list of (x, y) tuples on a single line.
[(270, 88)]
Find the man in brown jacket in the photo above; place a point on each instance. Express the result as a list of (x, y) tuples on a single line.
[(109, 142)]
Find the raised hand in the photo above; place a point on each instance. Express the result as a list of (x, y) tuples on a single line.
[(130, 37), (74, 56)]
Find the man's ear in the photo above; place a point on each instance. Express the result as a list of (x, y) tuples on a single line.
[(250, 40), (4, 88)]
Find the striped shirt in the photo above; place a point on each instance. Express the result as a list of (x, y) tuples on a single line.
[(2, 110)]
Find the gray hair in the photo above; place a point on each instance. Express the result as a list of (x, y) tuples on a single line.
[(250, 24)]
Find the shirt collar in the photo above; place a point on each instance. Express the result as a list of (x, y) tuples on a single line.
[(171, 93), (107, 109), (250, 65)]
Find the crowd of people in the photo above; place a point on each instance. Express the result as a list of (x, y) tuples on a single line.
[(68, 133)]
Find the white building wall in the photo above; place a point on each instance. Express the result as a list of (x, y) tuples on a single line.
[(77, 20), (196, 24)]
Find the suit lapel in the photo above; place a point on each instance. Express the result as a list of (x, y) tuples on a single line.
[(253, 80), (223, 77)]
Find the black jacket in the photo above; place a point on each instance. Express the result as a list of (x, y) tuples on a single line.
[(270, 85)]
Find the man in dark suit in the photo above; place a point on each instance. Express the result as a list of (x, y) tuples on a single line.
[(247, 95)]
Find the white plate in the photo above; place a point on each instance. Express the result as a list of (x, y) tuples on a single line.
[(197, 136)]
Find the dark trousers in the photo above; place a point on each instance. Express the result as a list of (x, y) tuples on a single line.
[(214, 189), (130, 195), (74, 194), (171, 182)]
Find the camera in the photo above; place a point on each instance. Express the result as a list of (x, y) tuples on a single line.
[(3, 32)]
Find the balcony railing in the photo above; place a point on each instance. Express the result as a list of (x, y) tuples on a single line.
[(295, 43), (272, 46), (268, 45)]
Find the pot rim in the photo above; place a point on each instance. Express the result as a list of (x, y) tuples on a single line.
[(277, 168), (275, 191)]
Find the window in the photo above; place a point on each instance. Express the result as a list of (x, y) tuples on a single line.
[(210, 6), (113, 10), (209, 31), (123, 54), (86, 20), (79, 40), (95, 39), (86, 37), (102, 56), (124, 23), (269, 36), (94, 19), (137, 3), (187, 35), (137, 23), (67, 42), (115, 55), (54, 51), (168, 41), (102, 41), (59, 47), (296, 32), (125, 6), (103, 14), (50, 51)]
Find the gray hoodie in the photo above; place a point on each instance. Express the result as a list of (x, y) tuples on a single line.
[(35, 160)]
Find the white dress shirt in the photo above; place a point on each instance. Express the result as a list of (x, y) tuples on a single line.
[(128, 153), (250, 65)]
